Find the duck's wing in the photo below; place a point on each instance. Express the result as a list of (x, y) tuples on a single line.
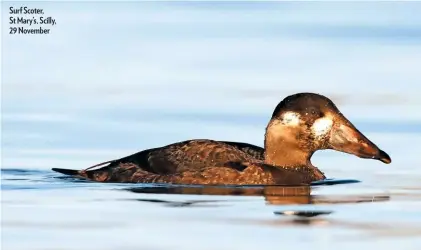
[(254, 151), (186, 156)]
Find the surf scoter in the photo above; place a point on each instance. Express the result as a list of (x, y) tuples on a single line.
[(300, 125)]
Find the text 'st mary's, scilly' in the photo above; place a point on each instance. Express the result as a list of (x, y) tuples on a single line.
[(22, 17)]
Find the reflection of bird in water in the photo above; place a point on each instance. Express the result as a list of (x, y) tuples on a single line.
[(274, 195), (279, 196)]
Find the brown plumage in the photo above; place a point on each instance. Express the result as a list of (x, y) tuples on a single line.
[(300, 125)]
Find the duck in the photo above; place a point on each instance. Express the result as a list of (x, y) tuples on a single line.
[(300, 125)]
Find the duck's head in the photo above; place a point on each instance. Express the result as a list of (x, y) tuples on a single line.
[(307, 122)]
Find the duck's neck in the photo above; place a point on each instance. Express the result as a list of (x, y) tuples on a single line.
[(282, 147)]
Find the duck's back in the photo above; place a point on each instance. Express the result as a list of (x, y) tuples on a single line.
[(191, 155)]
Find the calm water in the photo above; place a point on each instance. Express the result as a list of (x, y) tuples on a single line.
[(116, 78)]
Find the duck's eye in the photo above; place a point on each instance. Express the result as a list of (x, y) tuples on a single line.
[(314, 113)]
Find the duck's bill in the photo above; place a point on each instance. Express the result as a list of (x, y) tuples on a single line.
[(346, 138)]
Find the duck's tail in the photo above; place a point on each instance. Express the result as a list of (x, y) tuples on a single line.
[(66, 171), (91, 174)]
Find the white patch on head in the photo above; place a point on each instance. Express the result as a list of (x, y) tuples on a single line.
[(322, 126), (291, 119)]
